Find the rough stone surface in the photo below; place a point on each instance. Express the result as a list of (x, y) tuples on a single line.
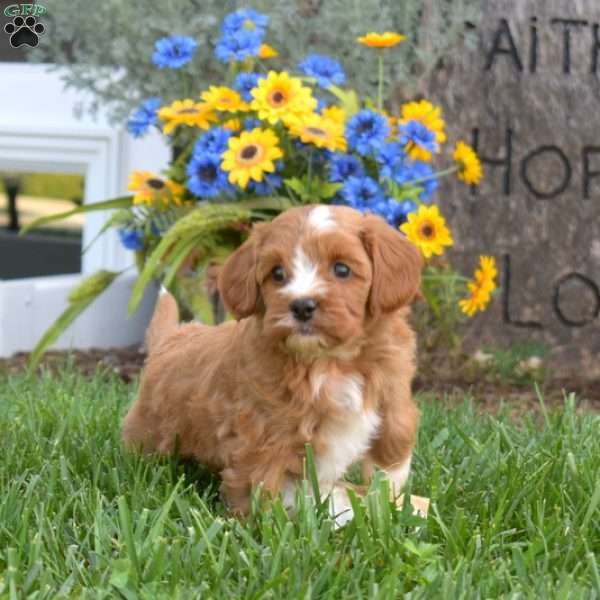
[(529, 98)]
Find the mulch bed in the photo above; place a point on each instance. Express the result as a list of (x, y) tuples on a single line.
[(127, 363)]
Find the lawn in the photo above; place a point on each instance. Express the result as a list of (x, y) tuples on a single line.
[(515, 512)]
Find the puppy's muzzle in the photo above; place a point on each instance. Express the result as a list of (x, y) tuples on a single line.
[(303, 309)]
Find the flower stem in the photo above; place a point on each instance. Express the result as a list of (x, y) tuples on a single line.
[(442, 277), (187, 85), (310, 155), (232, 71), (443, 173), (380, 84)]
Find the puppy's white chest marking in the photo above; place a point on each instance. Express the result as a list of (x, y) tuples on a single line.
[(347, 436)]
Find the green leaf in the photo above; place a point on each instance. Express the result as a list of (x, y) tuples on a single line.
[(121, 217), (348, 99), (267, 203), (297, 185), (370, 103), (201, 224), (327, 189), (122, 202), (312, 188), (404, 192), (179, 254), (120, 573), (79, 299)]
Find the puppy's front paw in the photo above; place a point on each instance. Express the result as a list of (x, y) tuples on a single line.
[(340, 507)]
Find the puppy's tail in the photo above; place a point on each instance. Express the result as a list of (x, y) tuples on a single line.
[(164, 321)]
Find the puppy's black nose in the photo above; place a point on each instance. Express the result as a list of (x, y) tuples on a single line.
[(303, 309)]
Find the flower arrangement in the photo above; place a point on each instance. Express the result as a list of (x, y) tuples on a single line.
[(266, 139)]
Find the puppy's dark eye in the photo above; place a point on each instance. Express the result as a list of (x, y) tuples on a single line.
[(341, 270), (278, 274)]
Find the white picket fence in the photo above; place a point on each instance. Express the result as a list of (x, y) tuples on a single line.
[(39, 132)]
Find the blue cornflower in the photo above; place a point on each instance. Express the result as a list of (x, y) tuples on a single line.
[(389, 209), (383, 208), (409, 171), (132, 239), (174, 52), (244, 19), (397, 211), (321, 104), (327, 71), (144, 117), (238, 46), (366, 131), (245, 83), (391, 157), (214, 141), (359, 192), (267, 186), (251, 123), (206, 178), (414, 132), (270, 182), (343, 166), (421, 170), (406, 208)]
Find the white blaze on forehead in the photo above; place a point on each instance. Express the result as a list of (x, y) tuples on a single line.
[(320, 218), (305, 281)]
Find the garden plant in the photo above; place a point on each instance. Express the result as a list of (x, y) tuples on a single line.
[(263, 139)]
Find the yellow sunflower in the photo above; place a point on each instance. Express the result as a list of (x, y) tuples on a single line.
[(250, 155), (233, 124), (481, 287), (470, 166), (223, 98), (381, 40), (427, 229), (334, 113), (152, 190), (323, 133), (186, 112), (431, 117), (266, 51), (281, 97)]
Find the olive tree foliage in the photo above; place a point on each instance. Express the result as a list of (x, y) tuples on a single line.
[(105, 47)]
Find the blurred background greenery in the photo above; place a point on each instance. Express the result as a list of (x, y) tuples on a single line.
[(48, 185), (106, 46)]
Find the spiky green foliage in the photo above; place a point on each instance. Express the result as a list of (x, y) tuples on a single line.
[(515, 512), (196, 231), (91, 39), (79, 299), (437, 321), (114, 203)]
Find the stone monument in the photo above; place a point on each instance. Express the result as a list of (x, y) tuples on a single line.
[(528, 99)]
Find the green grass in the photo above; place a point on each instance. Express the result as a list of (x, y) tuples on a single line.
[(515, 512)]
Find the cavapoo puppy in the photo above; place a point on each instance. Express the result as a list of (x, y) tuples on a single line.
[(321, 353)]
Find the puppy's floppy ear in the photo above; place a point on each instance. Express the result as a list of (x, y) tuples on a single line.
[(237, 280), (397, 265)]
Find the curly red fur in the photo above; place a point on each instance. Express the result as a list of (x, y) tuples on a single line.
[(245, 397)]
